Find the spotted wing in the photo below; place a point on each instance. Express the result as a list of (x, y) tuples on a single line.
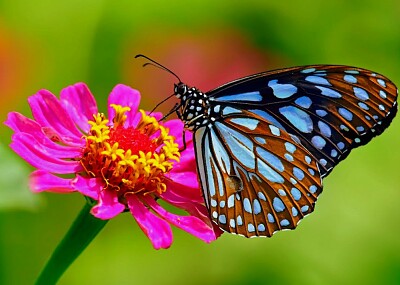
[(330, 109), (256, 178)]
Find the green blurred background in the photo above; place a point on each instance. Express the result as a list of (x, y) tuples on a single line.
[(351, 238)]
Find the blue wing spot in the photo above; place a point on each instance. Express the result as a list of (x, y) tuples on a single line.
[(282, 91), (274, 130), (231, 201), (288, 157), (350, 79), (360, 128), (329, 92), (261, 196), (307, 159), (323, 161), (304, 208), (222, 204), (270, 218), (254, 96), (249, 123), (278, 205), (239, 220), (230, 110), (381, 82), (321, 113), (318, 142), (281, 192), (357, 140), (361, 93), (260, 140), (296, 193), (293, 181), (256, 207), (261, 227), (247, 205), (375, 117), (334, 153), (298, 173), (268, 172), (268, 117), (232, 223), (311, 171), (363, 106), (317, 80), (250, 228), (345, 114), (214, 203), (294, 212), (273, 160), (382, 94), (298, 118), (308, 70), (215, 215), (340, 145), (284, 223), (290, 147), (222, 219), (381, 107), (304, 102), (351, 71), (313, 189), (344, 128), (324, 129)]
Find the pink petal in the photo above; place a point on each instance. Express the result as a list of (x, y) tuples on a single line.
[(108, 206), (187, 179), (48, 112), (41, 180), (127, 97), (190, 224), (156, 115), (175, 127), (39, 156), (20, 123), (90, 187), (187, 162), (157, 230), (80, 103)]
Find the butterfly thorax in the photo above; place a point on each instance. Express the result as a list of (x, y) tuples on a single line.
[(193, 108)]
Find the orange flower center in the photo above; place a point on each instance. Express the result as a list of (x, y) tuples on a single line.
[(129, 159)]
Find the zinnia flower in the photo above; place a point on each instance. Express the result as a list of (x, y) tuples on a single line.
[(124, 162)]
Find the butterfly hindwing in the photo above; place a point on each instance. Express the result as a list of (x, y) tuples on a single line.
[(256, 178), (330, 109)]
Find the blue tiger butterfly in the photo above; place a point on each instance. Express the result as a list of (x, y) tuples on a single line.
[(264, 142)]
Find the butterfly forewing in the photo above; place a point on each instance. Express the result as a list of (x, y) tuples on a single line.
[(330, 109), (255, 177)]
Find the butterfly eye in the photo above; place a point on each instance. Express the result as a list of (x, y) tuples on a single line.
[(180, 89)]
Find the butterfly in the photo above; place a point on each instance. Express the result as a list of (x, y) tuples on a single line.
[(264, 142)]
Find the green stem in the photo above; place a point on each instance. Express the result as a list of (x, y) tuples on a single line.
[(81, 233)]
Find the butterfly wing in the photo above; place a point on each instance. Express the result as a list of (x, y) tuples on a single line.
[(256, 178), (329, 109)]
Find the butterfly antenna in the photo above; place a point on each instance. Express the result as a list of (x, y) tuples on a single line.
[(156, 64), (169, 97)]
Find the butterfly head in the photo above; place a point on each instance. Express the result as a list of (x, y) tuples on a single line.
[(194, 106), (180, 89)]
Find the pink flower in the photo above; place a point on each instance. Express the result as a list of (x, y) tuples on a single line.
[(126, 162)]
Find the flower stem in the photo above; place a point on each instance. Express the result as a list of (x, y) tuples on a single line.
[(81, 233)]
